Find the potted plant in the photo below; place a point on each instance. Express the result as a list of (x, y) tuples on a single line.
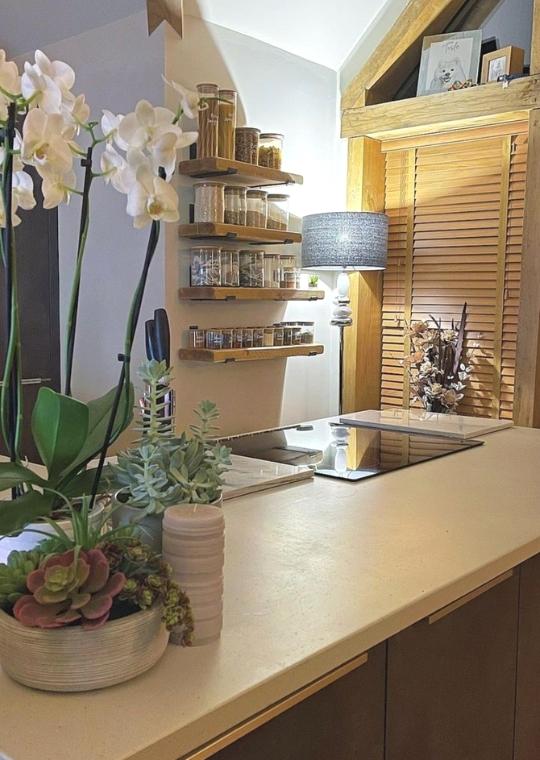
[(313, 280), (87, 611), (138, 155), (165, 470)]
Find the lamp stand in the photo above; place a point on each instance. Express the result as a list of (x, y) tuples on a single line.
[(342, 318)]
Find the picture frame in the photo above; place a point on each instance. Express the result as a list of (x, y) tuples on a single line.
[(447, 59), (506, 60)]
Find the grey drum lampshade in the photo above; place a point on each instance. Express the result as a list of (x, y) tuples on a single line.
[(345, 240)]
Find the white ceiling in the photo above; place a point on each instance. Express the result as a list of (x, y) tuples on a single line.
[(314, 29)]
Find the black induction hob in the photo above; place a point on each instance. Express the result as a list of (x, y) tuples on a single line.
[(335, 450)]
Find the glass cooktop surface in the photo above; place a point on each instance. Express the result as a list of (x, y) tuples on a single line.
[(335, 450)]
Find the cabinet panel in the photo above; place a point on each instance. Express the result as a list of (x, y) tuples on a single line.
[(344, 721), (528, 682), (451, 684)]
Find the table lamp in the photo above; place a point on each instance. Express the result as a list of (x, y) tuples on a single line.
[(344, 241)]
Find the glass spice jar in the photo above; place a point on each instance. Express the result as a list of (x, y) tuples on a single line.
[(268, 336), (230, 270), (207, 141), (209, 202), (288, 277), (227, 123), (278, 211), (251, 269), (238, 337), (278, 334), (246, 144), (271, 270), (257, 208), (258, 337), (235, 205), (307, 331), (214, 338), (270, 150), (227, 337), (205, 266), (197, 337), (287, 334), (247, 337)]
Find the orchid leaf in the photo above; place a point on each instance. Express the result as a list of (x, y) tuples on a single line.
[(16, 514), (60, 429), (13, 474)]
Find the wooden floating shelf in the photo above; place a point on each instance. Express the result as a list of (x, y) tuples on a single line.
[(250, 294), (249, 354), (237, 172), (251, 235)]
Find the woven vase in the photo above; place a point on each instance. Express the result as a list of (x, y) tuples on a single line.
[(71, 659)]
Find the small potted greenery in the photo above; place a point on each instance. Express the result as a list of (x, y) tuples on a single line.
[(313, 280), (87, 611), (165, 470)]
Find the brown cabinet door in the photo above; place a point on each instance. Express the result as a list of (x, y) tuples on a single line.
[(451, 683), (528, 680), (344, 721)]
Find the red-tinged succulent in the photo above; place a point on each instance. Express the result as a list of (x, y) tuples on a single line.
[(73, 587)]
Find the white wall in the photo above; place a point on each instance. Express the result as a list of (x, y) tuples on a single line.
[(511, 23), (115, 65), (284, 93)]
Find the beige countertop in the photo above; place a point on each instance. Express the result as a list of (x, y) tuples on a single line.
[(315, 574)]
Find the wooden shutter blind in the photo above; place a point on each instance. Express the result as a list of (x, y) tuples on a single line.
[(456, 222)]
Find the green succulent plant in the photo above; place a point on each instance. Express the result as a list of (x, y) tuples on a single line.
[(13, 576), (149, 581), (163, 469)]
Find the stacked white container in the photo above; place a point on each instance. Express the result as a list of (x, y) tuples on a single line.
[(193, 544)]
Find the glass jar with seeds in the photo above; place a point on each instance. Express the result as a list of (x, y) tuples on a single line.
[(251, 269), (235, 205), (287, 334), (214, 338), (307, 331), (207, 141), (288, 275), (205, 266), (238, 337), (197, 337), (230, 269), (278, 211), (227, 123), (257, 208), (209, 202), (270, 150), (246, 141)]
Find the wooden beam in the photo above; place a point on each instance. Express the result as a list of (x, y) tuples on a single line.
[(527, 382), (400, 49), (486, 104), (171, 11), (362, 359), (535, 40)]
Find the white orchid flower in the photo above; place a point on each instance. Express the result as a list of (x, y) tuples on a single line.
[(117, 170), (109, 126), (57, 188), (78, 110), (10, 83), (151, 199), (47, 83), (47, 142), (22, 197), (18, 165), (190, 100)]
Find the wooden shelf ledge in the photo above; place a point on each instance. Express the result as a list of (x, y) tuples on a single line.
[(251, 235), (237, 172), (486, 104), (250, 294), (249, 354)]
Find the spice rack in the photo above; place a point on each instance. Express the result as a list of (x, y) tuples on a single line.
[(227, 355), (237, 172), (249, 294), (235, 232)]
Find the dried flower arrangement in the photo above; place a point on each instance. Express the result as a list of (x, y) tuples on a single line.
[(437, 365)]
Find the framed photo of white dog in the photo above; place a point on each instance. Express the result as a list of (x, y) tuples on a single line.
[(449, 61)]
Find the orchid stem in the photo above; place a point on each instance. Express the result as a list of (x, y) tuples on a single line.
[(71, 327)]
